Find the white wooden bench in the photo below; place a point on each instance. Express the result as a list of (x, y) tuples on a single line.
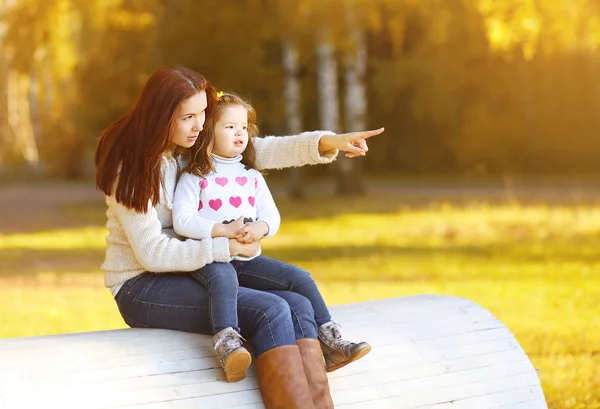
[(429, 351)]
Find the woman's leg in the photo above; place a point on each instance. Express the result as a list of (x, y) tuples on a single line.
[(170, 301), (305, 329), (179, 302), (303, 315), (279, 361), (265, 319)]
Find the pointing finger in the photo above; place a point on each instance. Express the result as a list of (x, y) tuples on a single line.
[(368, 134)]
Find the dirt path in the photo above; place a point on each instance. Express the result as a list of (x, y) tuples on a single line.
[(34, 207)]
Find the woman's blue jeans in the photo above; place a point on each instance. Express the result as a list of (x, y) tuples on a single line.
[(177, 301)]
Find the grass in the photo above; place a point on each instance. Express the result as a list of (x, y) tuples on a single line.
[(535, 266)]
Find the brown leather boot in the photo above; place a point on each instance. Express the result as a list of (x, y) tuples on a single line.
[(281, 378), (314, 368)]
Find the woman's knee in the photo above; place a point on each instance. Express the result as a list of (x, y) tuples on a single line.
[(303, 314), (278, 311), (299, 303), (270, 322)]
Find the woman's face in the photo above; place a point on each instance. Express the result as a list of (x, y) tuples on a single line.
[(188, 121), (231, 132)]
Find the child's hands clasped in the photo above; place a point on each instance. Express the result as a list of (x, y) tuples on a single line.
[(252, 232), (229, 230)]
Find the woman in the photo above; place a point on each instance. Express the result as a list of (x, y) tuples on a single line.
[(137, 163)]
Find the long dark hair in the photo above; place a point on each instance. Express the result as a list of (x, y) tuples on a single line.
[(200, 165), (129, 153)]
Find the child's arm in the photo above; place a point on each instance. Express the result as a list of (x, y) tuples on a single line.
[(187, 222), (266, 209), (267, 215)]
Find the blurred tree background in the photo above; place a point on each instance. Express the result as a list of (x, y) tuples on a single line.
[(483, 186), (463, 87)]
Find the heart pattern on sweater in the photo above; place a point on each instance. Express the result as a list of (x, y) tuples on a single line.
[(215, 204), (235, 201), (221, 181), (255, 183), (251, 200), (241, 180), (200, 205), (203, 184)]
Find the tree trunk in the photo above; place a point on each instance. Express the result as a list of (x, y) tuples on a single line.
[(327, 80), (355, 106), (528, 111), (292, 97), (5, 145)]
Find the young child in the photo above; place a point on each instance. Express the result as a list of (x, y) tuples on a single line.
[(234, 201)]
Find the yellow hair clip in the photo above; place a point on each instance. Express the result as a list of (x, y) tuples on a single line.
[(219, 95)]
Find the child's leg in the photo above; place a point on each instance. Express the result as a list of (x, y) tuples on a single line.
[(263, 273), (220, 279)]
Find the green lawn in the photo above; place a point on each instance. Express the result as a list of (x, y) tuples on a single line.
[(534, 266)]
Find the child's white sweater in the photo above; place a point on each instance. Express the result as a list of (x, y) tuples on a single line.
[(231, 191)]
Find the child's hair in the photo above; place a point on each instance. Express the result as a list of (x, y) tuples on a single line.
[(223, 101)]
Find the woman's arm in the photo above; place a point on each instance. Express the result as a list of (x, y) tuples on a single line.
[(156, 251), (352, 143), (309, 148), (273, 152)]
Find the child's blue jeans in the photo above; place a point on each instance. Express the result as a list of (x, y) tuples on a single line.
[(222, 281)]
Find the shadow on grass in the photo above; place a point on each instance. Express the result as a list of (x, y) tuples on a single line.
[(348, 263), (28, 261), (93, 212)]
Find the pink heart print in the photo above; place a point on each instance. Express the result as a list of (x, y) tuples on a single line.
[(251, 200), (241, 180), (255, 183), (203, 184), (221, 181), (235, 201), (200, 205), (215, 204)]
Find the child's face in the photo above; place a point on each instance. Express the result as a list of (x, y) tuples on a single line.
[(188, 121), (231, 132)]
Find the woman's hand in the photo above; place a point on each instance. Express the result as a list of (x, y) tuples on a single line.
[(243, 249), (352, 143)]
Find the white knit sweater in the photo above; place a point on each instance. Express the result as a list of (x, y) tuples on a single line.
[(231, 191), (139, 242)]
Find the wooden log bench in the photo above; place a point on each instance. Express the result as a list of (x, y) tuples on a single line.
[(429, 351)]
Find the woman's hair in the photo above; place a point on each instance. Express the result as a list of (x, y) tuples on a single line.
[(201, 165), (129, 153)]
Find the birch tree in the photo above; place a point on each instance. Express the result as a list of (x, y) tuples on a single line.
[(18, 128), (329, 112), (355, 99)]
